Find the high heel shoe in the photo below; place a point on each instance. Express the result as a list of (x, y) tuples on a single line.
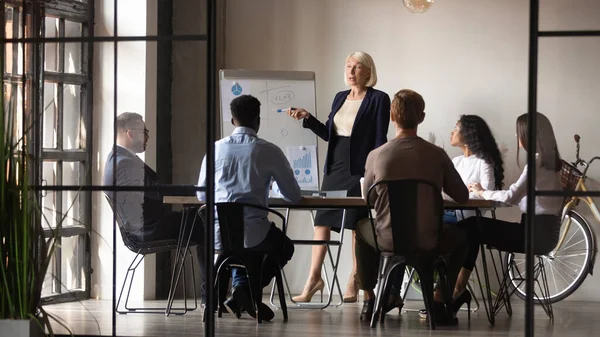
[(441, 315), (367, 310), (457, 303), (465, 297), (351, 296), (394, 301), (307, 296)]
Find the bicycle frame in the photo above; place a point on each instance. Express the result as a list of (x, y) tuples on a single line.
[(571, 206)]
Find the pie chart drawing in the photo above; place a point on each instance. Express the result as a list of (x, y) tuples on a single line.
[(236, 89)]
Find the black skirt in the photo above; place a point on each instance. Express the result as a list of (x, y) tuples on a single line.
[(339, 178)]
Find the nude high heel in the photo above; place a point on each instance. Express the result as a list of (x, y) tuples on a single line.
[(350, 297), (306, 297)]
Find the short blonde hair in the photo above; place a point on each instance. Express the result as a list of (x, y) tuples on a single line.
[(367, 61)]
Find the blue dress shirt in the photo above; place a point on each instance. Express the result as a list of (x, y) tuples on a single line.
[(244, 168)]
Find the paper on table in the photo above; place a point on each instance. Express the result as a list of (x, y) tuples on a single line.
[(230, 90), (303, 160)]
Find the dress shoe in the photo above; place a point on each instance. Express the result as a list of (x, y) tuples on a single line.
[(266, 314), (442, 316), (394, 301), (367, 310), (242, 296), (464, 298), (232, 307), (457, 303), (307, 294)]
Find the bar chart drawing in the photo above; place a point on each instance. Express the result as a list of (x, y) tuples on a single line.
[(303, 160)]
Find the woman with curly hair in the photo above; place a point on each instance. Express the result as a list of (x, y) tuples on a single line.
[(481, 161)]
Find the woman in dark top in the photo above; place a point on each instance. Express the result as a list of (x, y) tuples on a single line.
[(357, 124)]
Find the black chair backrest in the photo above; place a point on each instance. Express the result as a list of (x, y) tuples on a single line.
[(231, 224), (130, 242), (415, 207)]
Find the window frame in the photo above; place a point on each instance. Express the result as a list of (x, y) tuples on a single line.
[(28, 17)]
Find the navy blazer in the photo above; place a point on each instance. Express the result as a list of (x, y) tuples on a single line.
[(368, 132)]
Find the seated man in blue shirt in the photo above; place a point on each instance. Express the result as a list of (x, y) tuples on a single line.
[(245, 165)]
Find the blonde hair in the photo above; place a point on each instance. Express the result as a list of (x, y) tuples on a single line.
[(366, 61)]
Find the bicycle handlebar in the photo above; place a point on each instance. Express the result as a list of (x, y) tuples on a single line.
[(580, 161), (577, 158)]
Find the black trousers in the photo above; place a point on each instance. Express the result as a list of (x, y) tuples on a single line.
[(279, 249), (509, 236)]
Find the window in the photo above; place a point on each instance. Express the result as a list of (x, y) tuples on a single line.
[(49, 85)]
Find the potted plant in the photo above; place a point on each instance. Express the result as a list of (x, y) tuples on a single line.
[(24, 250)]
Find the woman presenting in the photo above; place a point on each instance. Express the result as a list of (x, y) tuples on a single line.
[(358, 123)]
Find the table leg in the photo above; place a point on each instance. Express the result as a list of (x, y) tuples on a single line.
[(329, 286), (180, 256), (487, 302)]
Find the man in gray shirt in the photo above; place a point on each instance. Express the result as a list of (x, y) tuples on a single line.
[(144, 215)]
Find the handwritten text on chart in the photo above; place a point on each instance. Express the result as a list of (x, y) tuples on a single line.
[(283, 97)]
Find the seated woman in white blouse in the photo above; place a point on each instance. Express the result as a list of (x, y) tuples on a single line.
[(510, 236), (481, 161)]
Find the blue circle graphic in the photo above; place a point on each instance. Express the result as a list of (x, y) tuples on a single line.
[(236, 89), (307, 171), (297, 172)]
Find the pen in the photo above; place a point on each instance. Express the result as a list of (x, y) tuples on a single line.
[(285, 109)]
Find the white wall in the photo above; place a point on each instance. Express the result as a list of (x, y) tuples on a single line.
[(136, 92), (188, 98), (464, 57)]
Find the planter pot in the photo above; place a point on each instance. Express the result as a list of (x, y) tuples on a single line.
[(20, 328)]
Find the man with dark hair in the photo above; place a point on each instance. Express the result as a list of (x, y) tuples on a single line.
[(246, 110), (144, 215), (408, 156), (245, 165)]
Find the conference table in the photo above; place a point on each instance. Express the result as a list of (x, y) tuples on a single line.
[(317, 202), (343, 203)]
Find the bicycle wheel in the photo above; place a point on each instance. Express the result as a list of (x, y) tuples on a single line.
[(566, 268)]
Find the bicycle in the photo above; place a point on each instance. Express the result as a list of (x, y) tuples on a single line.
[(574, 256)]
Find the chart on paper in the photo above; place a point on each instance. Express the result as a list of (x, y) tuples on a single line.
[(303, 160), (277, 91)]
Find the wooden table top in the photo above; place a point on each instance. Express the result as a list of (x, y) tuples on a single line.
[(346, 202)]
